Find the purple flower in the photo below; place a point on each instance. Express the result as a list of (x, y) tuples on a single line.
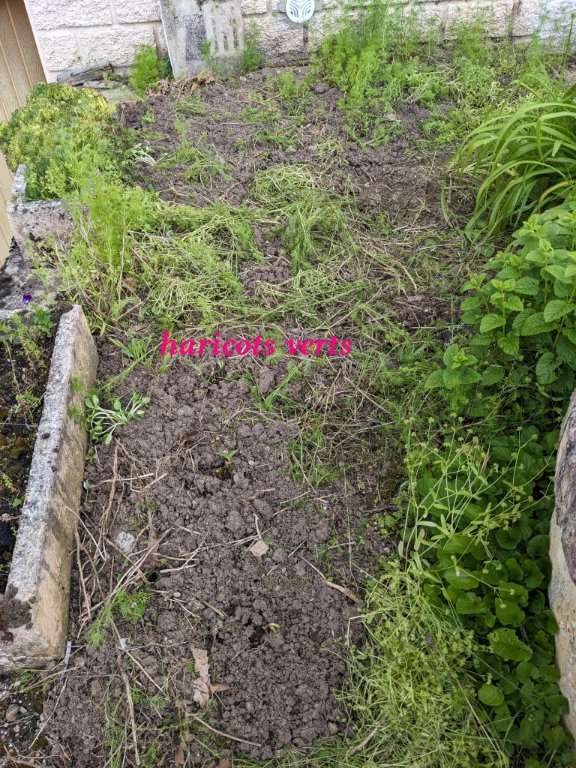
[(26, 299)]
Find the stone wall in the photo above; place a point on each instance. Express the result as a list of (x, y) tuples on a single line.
[(72, 33)]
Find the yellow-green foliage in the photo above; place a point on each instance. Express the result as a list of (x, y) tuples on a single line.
[(58, 132)]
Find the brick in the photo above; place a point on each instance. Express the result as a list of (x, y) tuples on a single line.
[(278, 35), (135, 11), (63, 14), (325, 22), (118, 44), (59, 50), (254, 7)]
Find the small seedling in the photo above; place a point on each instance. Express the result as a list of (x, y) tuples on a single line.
[(102, 422), (227, 456)]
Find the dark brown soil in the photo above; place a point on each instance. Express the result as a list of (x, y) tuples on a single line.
[(231, 128), (274, 628), (176, 503)]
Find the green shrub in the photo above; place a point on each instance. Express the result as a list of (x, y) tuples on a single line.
[(59, 133), (481, 497), (148, 69), (527, 159), (523, 307)]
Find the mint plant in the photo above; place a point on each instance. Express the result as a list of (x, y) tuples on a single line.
[(482, 498)]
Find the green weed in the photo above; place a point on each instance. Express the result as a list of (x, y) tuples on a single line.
[(200, 164), (102, 422), (127, 606), (251, 56), (148, 69)]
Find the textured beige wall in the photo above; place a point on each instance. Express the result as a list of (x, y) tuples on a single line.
[(74, 33), (71, 34)]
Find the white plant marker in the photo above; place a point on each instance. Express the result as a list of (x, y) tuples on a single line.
[(299, 11)]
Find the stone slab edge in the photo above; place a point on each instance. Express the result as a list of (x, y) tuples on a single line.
[(562, 590), (38, 219), (34, 609)]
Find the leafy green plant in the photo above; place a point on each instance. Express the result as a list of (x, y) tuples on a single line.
[(251, 56), (481, 498), (60, 133), (479, 524), (102, 422), (523, 306), (527, 159), (148, 69)]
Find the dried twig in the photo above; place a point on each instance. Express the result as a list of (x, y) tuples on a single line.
[(221, 733), (363, 743), (106, 513), (344, 590)]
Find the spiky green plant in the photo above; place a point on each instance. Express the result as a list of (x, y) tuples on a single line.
[(527, 159)]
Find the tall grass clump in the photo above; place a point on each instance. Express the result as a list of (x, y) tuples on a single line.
[(382, 57), (525, 160)]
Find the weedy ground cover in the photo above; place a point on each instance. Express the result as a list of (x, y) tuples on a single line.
[(319, 215), (26, 347)]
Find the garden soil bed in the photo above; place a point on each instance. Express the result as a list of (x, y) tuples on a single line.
[(275, 626), (197, 507)]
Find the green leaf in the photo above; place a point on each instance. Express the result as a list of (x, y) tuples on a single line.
[(490, 695), (469, 303), (489, 322), (557, 271), (461, 377), (508, 538), (492, 375), (536, 324), (527, 285), (556, 737), (505, 643), (509, 613), (526, 671), (470, 604), (514, 303), (509, 343), (516, 593), (460, 578), (566, 350), (546, 367), (450, 354), (458, 544), (533, 576), (556, 309), (434, 380)]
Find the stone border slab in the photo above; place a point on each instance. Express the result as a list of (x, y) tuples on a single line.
[(562, 590), (38, 219), (34, 609)]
